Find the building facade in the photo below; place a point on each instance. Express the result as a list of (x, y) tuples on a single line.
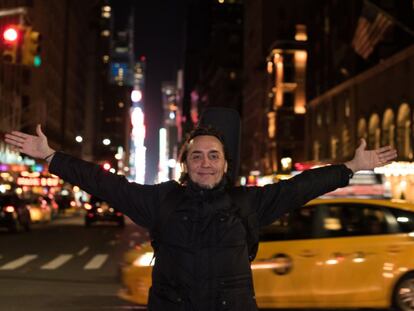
[(363, 96), (274, 89), (59, 93)]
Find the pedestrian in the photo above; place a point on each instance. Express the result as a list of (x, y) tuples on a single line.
[(202, 233)]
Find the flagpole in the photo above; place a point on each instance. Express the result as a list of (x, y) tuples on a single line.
[(394, 20)]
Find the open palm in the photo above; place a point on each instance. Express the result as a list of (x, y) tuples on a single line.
[(35, 146), (370, 159)]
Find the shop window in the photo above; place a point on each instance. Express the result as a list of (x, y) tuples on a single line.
[(404, 144), (334, 147), (362, 128), (388, 129), (316, 150), (346, 142), (374, 132)]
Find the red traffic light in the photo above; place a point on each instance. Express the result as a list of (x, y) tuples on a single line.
[(11, 34)]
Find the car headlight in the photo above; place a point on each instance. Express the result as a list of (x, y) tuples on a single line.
[(145, 260), (9, 209)]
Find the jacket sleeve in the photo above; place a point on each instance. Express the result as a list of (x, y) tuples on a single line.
[(135, 200), (272, 201)]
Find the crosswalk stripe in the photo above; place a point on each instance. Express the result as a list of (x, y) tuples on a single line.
[(83, 251), (96, 262), (57, 262), (18, 262)]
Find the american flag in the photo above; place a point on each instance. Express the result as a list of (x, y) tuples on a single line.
[(371, 28)]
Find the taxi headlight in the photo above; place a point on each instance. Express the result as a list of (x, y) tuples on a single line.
[(145, 260)]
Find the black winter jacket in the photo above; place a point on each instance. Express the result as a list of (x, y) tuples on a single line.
[(202, 263)]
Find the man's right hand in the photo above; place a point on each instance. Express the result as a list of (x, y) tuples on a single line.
[(34, 146)]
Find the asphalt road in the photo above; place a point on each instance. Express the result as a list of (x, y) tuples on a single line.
[(65, 266)]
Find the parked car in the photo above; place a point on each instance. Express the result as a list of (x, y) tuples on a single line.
[(40, 210), (98, 210), (14, 215), (331, 253)]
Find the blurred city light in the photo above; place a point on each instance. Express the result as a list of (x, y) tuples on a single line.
[(106, 166), (136, 96), (106, 141), (11, 34)]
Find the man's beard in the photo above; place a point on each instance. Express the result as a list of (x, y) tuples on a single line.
[(207, 187)]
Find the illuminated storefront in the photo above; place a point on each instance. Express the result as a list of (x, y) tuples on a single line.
[(399, 178)]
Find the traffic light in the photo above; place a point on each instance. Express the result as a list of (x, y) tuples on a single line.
[(106, 166), (11, 38), (31, 48)]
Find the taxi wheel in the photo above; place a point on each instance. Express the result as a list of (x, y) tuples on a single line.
[(403, 297)]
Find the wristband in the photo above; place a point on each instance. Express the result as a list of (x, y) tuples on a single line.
[(47, 157)]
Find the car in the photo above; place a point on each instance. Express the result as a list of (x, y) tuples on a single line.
[(50, 200), (65, 201), (331, 253), (14, 215), (98, 210), (40, 210)]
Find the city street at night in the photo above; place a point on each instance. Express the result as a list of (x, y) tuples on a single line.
[(64, 266), (206, 155)]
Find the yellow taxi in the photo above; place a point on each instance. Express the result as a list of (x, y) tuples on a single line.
[(40, 210), (331, 253)]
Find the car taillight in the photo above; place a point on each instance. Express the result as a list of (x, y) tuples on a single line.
[(9, 209)]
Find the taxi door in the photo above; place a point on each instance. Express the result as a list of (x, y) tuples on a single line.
[(355, 247), (284, 266)]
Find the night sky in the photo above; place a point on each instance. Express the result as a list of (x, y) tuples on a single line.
[(159, 35)]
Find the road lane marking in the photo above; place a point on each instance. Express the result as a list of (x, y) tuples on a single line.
[(96, 262), (18, 262), (57, 262), (83, 251)]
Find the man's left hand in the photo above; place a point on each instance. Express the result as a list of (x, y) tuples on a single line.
[(370, 159)]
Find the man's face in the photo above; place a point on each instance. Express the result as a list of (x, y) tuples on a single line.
[(205, 162)]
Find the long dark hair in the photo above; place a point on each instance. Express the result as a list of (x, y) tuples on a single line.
[(202, 131)]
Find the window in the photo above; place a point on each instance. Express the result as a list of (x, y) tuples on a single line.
[(288, 68), (288, 99), (341, 220), (405, 220), (296, 225)]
